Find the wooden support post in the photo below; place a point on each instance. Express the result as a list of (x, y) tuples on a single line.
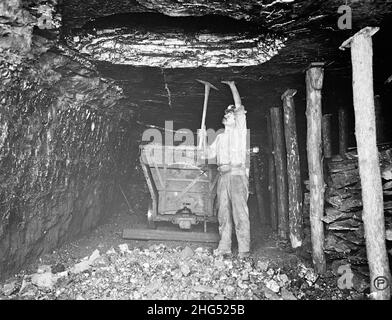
[(272, 179), (368, 162), (342, 133), (314, 84), (326, 133), (379, 119), (293, 169), (280, 170), (259, 191)]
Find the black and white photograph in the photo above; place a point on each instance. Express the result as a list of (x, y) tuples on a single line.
[(195, 157)]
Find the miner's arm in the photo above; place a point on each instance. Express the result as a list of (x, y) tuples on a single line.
[(239, 110), (236, 94)]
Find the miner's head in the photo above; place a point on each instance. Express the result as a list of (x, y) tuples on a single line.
[(229, 119)]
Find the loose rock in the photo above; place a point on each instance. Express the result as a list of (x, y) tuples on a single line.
[(262, 265), (273, 285), (44, 280), (187, 253), (270, 294), (205, 289), (287, 295), (184, 267), (123, 248), (9, 288)]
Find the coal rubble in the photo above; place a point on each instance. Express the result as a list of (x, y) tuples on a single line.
[(161, 272)]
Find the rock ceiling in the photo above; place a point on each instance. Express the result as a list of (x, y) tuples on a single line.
[(274, 14), (308, 28), (259, 41), (176, 49)]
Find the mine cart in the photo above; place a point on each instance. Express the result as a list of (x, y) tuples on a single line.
[(183, 188)]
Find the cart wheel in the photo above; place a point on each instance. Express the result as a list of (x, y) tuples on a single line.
[(151, 222)]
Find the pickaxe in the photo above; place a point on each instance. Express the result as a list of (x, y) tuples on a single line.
[(207, 86)]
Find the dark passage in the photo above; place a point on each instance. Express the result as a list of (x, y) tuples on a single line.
[(188, 25)]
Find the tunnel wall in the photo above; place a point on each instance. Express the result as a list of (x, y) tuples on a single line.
[(60, 137)]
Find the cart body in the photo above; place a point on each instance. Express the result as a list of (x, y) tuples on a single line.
[(182, 188)]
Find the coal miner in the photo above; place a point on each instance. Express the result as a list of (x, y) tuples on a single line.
[(230, 150)]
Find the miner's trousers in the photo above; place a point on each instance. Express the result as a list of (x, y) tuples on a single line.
[(232, 198)]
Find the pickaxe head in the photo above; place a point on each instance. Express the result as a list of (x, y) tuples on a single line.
[(207, 84)]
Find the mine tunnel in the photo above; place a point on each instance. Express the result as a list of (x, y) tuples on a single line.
[(82, 82)]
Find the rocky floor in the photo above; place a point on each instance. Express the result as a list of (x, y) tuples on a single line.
[(102, 265)]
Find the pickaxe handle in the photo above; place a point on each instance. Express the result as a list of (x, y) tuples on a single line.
[(202, 141), (207, 86)]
